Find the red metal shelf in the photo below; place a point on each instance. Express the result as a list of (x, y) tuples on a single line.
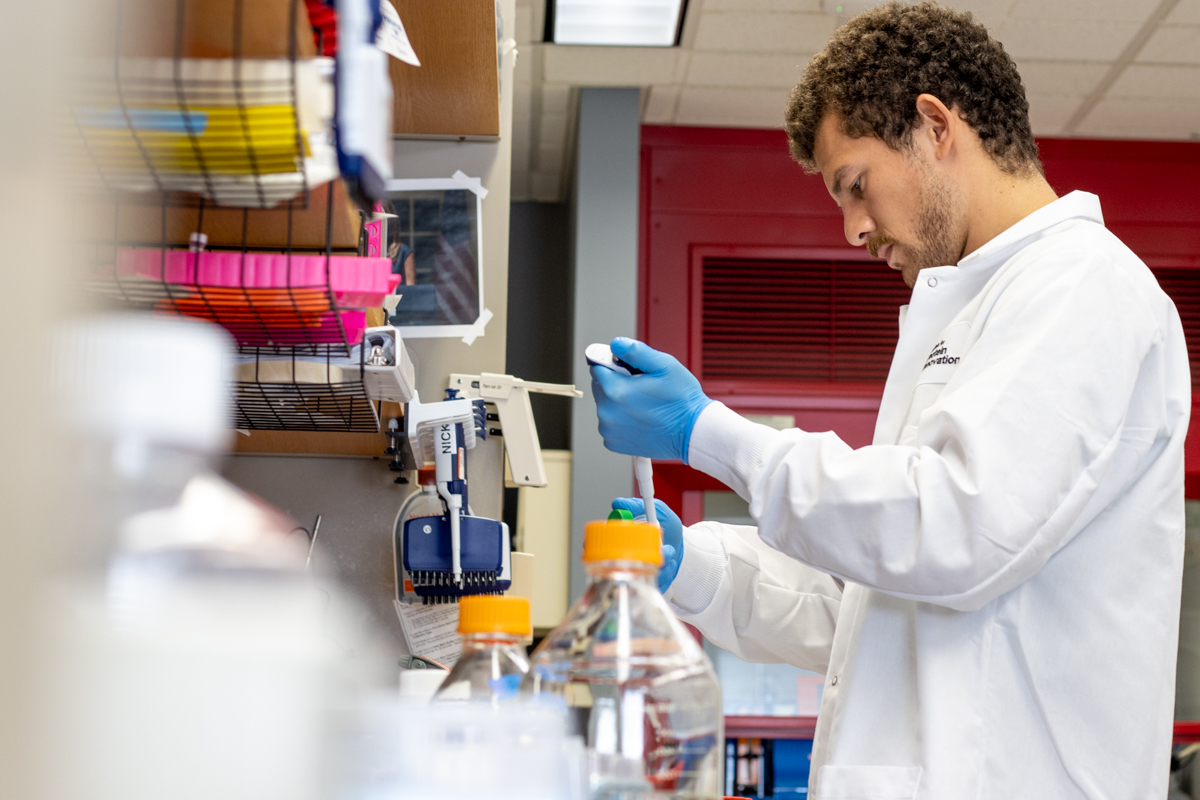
[(1186, 731), (771, 727)]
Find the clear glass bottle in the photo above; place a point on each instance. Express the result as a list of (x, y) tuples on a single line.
[(635, 684), (493, 660)]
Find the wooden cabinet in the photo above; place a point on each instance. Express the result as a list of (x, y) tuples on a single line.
[(455, 92)]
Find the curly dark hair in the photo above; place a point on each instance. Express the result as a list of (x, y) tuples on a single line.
[(876, 65)]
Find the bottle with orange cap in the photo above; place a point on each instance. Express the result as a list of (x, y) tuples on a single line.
[(493, 660), (634, 682)]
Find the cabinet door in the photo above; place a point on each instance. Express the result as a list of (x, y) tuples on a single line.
[(456, 91)]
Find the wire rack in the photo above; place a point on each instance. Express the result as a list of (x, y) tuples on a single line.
[(283, 395), (195, 142)]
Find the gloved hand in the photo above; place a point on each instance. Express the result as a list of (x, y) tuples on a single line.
[(651, 414), (672, 534)]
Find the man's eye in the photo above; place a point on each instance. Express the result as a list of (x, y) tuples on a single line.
[(857, 187)]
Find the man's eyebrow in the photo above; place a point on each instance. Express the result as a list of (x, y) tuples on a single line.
[(837, 178)]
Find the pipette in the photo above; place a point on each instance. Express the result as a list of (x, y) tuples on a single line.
[(601, 355)]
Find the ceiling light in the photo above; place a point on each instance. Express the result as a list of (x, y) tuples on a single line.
[(644, 23)]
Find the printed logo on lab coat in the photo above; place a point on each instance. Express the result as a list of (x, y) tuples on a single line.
[(940, 355), (943, 358)]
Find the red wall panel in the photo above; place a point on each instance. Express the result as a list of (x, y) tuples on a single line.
[(709, 189)]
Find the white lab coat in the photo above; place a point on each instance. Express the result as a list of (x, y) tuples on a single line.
[(991, 588)]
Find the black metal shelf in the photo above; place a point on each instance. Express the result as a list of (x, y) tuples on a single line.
[(333, 404)]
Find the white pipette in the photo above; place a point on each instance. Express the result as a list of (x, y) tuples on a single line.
[(645, 478), (601, 355)]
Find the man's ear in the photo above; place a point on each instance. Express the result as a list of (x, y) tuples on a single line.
[(939, 126)]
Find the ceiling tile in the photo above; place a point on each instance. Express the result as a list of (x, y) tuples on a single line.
[(732, 108), (1172, 44), (523, 26), (1157, 82), (546, 186), (660, 105), (1186, 13), (760, 32), (520, 155), (1065, 40), (1109, 10), (553, 128), (991, 13), (807, 6), (523, 69), (1060, 77), (555, 98), (1143, 119), (609, 66), (522, 100), (746, 69), (518, 190), (550, 156), (1048, 113)]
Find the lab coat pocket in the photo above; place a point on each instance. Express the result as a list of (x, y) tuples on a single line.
[(867, 783)]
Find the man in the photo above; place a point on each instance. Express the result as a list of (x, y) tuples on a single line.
[(992, 587)]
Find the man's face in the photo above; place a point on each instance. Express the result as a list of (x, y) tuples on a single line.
[(898, 204)]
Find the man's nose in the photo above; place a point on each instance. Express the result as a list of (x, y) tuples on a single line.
[(858, 226)]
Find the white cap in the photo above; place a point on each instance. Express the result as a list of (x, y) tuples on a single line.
[(420, 684), (163, 379)]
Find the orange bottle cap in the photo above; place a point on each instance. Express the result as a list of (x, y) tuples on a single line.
[(622, 540), (491, 614)]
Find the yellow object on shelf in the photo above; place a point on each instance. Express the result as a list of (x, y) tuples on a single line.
[(259, 139), (239, 132)]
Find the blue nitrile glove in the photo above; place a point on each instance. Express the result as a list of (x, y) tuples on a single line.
[(672, 535), (651, 414)]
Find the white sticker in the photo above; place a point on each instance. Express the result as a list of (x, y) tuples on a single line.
[(392, 39), (431, 631)]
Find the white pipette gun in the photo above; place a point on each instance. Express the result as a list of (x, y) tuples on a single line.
[(601, 355)]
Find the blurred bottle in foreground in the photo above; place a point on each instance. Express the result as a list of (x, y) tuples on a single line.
[(635, 684), (493, 661), (188, 653)]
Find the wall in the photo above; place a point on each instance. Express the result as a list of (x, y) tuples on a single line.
[(540, 306), (708, 190), (605, 224), (357, 502)]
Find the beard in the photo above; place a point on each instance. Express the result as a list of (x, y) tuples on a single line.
[(940, 233)]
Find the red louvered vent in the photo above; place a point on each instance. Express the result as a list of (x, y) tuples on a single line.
[(1183, 287), (799, 320)]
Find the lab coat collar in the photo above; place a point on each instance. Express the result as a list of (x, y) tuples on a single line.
[(1076, 205)]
